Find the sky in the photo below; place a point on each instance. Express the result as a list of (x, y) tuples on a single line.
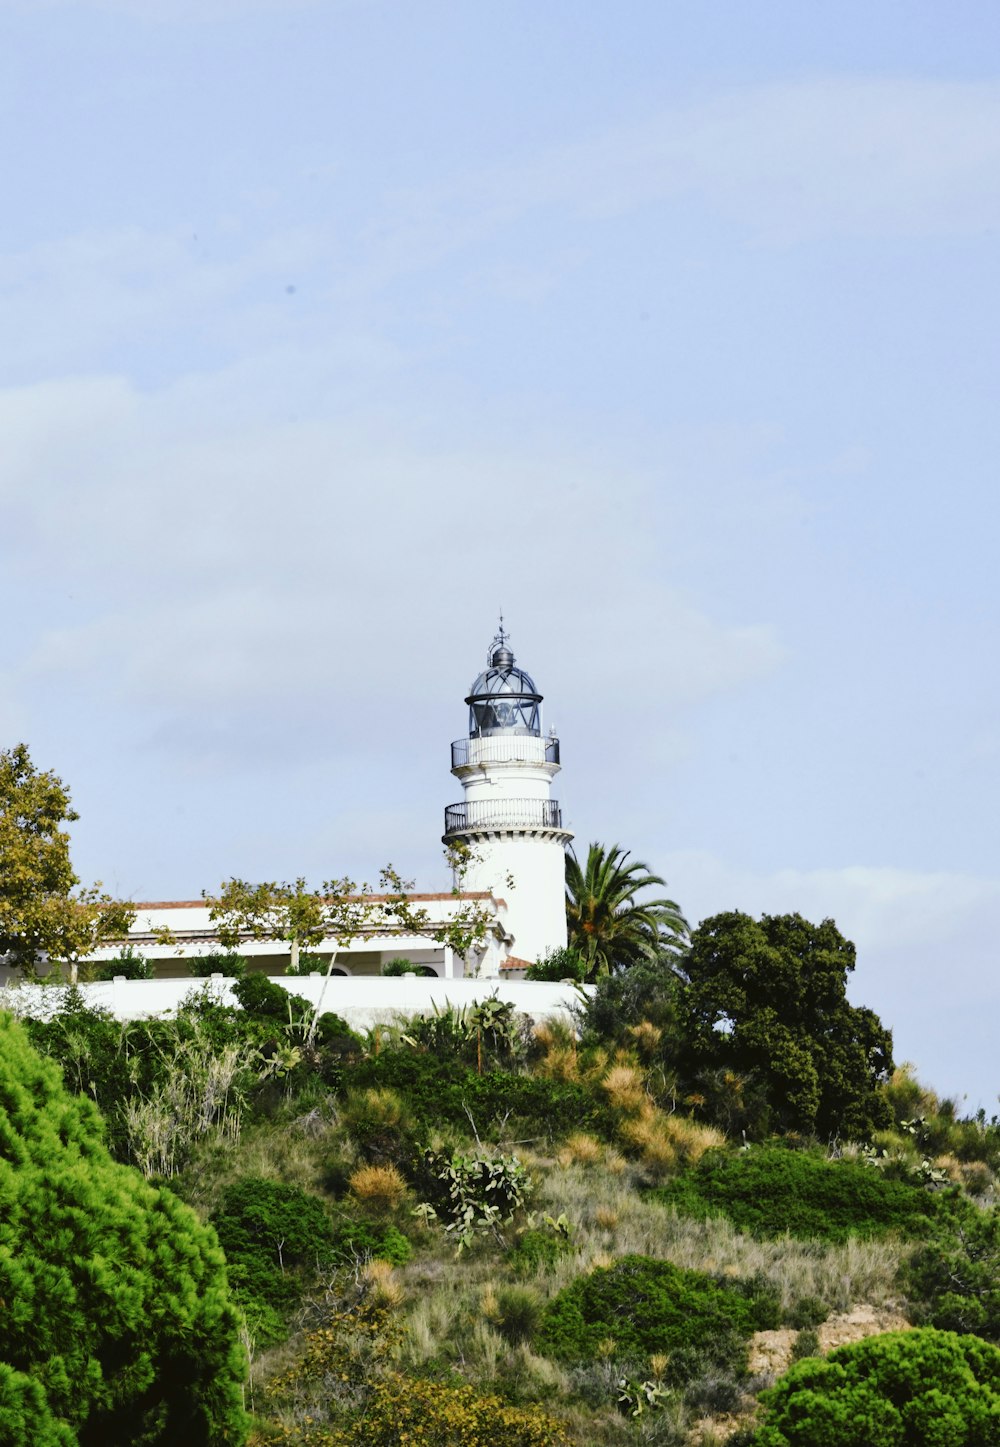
[(332, 327)]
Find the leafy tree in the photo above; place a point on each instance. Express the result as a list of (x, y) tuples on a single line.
[(766, 1003), (341, 910), (954, 1278), (607, 922), (44, 912), (117, 1324), (922, 1388)]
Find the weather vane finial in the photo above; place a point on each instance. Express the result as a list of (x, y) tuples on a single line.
[(501, 639)]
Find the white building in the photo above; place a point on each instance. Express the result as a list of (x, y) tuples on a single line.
[(515, 875)]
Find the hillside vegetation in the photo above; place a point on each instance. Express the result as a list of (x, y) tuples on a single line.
[(470, 1229)]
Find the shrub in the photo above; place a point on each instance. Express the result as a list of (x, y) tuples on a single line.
[(472, 1194), (270, 1233), (954, 1278), (564, 964), (277, 1237), (442, 1090), (117, 1323), (380, 1126), (538, 1250), (647, 1306), (769, 1190), (229, 963), (922, 1388), (393, 969), (409, 1409), (129, 963), (516, 1312)]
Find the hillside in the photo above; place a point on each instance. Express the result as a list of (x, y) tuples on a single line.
[(466, 1229)]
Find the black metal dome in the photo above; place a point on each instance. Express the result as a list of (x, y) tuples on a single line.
[(503, 699)]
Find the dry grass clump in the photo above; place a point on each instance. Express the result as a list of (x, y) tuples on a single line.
[(381, 1186), (647, 1037), (559, 1061), (381, 1285), (581, 1149), (626, 1088)]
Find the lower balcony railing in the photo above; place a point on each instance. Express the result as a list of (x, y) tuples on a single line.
[(502, 814)]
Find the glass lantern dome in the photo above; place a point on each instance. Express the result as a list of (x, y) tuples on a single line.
[(503, 699)]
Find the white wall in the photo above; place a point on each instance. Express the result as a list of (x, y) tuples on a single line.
[(362, 1002)]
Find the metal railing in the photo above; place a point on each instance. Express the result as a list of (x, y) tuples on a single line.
[(504, 749), (477, 814)]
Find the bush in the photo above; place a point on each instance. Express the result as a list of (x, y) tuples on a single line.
[(393, 969), (129, 963), (277, 1237), (230, 964), (769, 1190), (645, 1306), (471, 1194), (922, 1388), (409, 1409), (954, 1278), (117, 1324), (564, 964), (536, 1250), (439, 1090)]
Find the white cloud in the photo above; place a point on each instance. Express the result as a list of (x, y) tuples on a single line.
[(217, 559)]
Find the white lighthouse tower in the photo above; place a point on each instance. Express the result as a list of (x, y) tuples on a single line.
[(508, 817)]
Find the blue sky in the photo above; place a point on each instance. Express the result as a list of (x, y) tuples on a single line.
[(328, 328)]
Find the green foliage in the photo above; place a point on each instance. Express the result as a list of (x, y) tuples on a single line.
[(393, 969), (767, 1002), (564, 964), (43, 909), (484, 1034), (649, 990), (118, 1327), (608, 924), (471, 1194), (645, 1306), (922, 1388), (517, 1313), (443, 1091), (768, 1190), (954, 1278), (228, 963), (129, 963), (537, 1249), (277, 1237)]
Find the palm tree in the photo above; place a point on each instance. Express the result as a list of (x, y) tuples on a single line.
[(607, 924)]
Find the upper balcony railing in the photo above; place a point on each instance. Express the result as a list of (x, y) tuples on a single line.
[(476, 814), (504, 749)]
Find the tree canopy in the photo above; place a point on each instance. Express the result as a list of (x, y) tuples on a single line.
[(766, 1010), (117, 1324), (609, 925), (923, 1388), (44, 913)]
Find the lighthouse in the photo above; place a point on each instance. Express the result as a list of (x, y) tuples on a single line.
[(508, 819)]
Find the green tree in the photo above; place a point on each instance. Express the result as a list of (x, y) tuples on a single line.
[(765, 1004), (45, 914), (341, 911), (607, 923), (117, 1324), (954, 1277), (921, 1388)]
